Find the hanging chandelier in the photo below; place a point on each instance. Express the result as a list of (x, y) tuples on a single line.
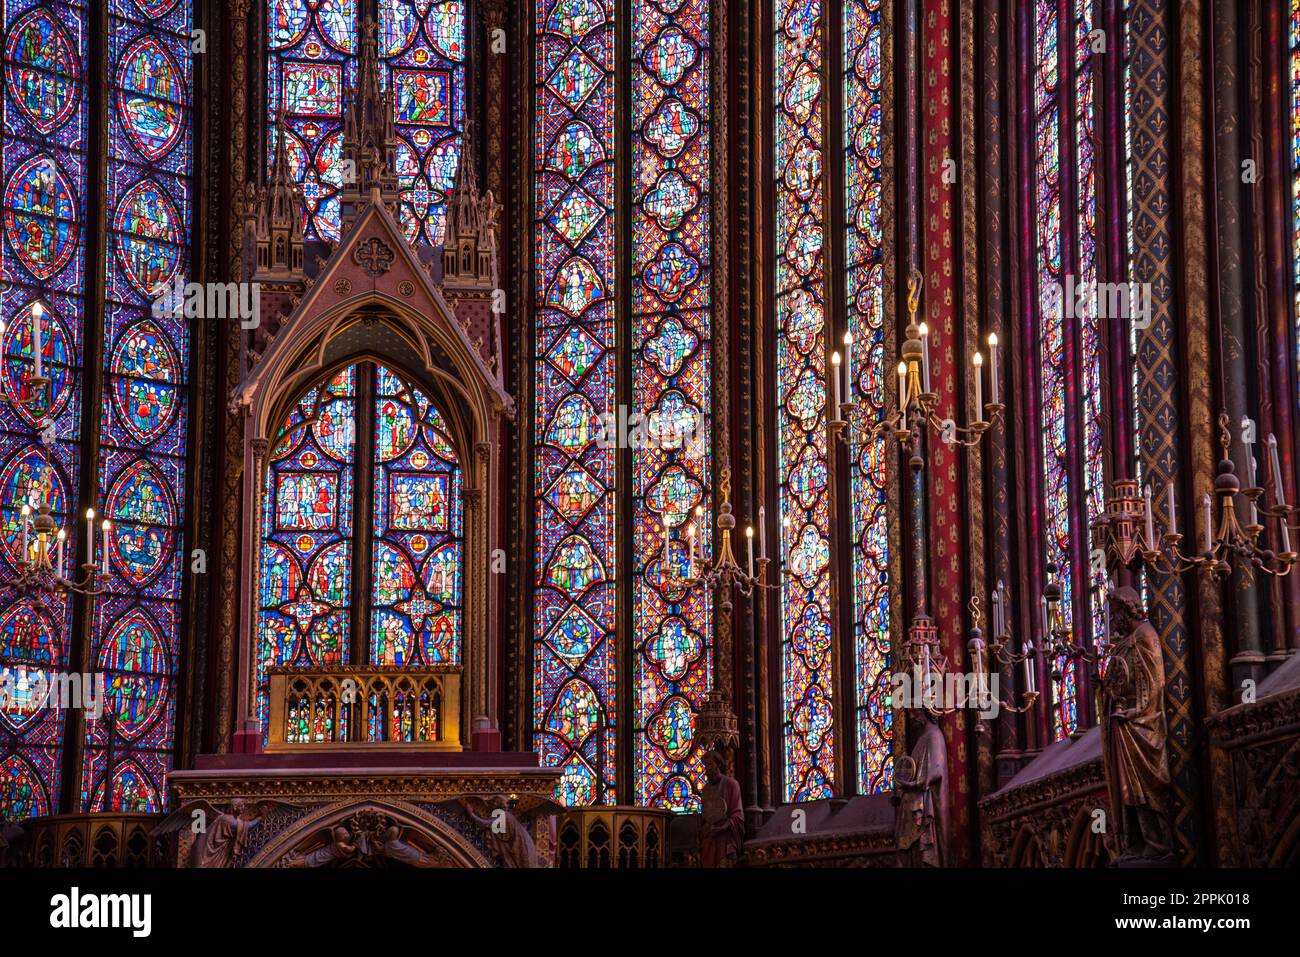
[(43, 557)]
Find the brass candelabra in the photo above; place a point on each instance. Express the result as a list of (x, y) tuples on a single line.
[(916, 399), (1126, 531), (42, 560), (722, 572)]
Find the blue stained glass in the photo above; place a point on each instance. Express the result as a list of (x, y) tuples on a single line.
[(807, 654), (42, 261), (419, 530), (672, 383), (312, 46), (864, 288), (136, 637), (574, 660), (307, 523), (422, 46)]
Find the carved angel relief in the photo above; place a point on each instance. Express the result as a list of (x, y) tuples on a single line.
[(367, 839)]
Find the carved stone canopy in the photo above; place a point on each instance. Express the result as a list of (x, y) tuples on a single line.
[(374, 271)]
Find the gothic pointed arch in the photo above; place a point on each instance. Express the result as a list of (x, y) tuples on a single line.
[(378, 832), (375, 304)]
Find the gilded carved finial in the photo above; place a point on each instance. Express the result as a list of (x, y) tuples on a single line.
[(913, 292)]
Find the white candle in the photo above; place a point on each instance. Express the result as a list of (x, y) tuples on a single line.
[(1173, 511), (995, 602), (1247, 427), (62, 555), (976, 648), (848, 364), (27, 524), (1151, 527), (835, 374), (37, 311), (993, 367), (762, 532), (902, 385), (90, 536), (1209, 526), (925, 358), (749, 542), (665, 558), (1047, 624), (690, 535), (1028, 663), (106, 526), (1286, 536), (1279, 490), (978, 361)]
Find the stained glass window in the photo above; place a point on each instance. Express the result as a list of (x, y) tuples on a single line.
[(864, 287), (1053, 330), (671, 391), (422, 45), (1091, 339), (1129, 234), (41, 261), (1071, 339), (312, 48), (807, 656), (1295, 153), (419, 547), (143, 436), (574, 663), (143, 182), (306, 559), (412, 474)]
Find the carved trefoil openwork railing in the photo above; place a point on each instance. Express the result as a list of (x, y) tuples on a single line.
[(364, 707)]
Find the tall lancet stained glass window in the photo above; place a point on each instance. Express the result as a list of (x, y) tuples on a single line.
[(1070, 336), (807, 655), (42, 261), (671, 342), (136, 629), (312, 60), (307, 522), (1091, 339), (575, 593), (422, 45), (1294, 105), (419, 535), (409, 467), (865, 309)]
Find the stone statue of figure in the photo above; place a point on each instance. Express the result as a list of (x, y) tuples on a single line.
[(508, 824), (220, 833), (339, 846), (1134, 740), (723, 828), (405, 852), (921, 798)]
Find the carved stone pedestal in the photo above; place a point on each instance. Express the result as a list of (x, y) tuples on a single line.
[(340, 809)]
